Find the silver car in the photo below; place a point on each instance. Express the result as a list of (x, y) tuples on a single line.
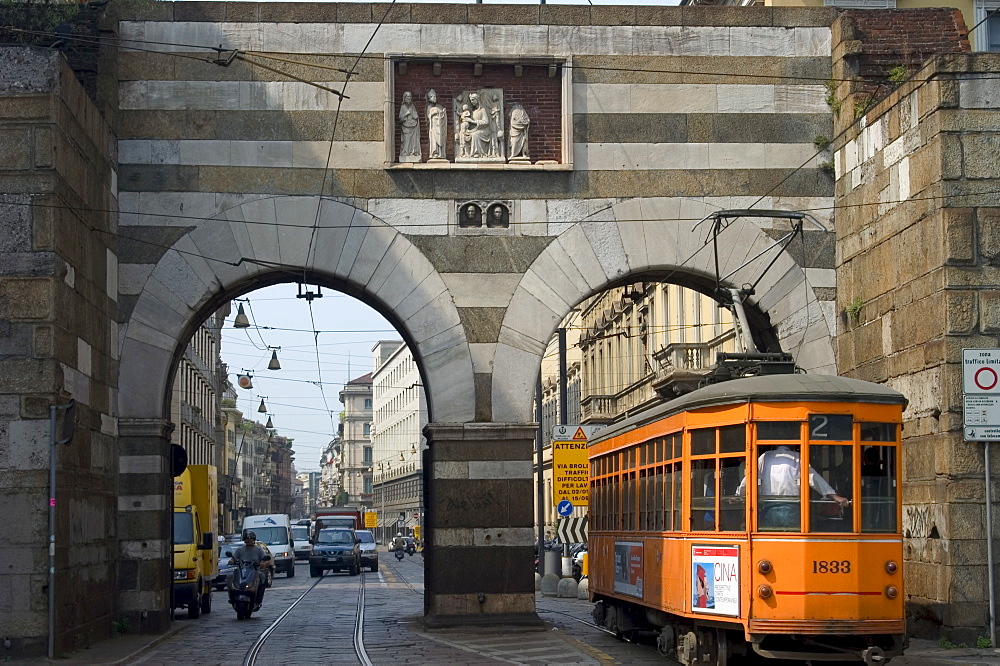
[(369, 558)]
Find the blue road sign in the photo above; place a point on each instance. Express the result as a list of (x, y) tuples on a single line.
[(564, 508)]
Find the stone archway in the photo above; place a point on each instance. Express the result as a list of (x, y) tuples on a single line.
[(254, 243), (647, 238)]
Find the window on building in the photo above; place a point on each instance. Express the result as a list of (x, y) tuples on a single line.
[(368, 455), (368, 403), (367, 429)]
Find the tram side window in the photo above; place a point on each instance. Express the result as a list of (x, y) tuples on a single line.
[(831, 471), (678, 486), (733, 505), (878, 488), (702, 495), (658, 499), (644, 491)]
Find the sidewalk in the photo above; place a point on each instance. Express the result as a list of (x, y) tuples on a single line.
[(929, 652), (118, 650)]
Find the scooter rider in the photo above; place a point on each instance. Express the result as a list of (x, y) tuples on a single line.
[(251, 552), (399, 543)]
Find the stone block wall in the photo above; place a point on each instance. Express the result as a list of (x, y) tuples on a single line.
[(917, 197), (58, 340)]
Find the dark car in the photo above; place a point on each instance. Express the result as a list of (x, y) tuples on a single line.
[(335, 549), (369, 558), (225, 554), (225, 568)]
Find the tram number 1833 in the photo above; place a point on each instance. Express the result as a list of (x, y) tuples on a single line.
[(832, 566)]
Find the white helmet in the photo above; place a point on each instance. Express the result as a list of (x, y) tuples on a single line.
[(399, 534)]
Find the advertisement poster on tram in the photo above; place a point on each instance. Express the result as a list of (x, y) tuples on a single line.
[(628, 568), (715, 579)]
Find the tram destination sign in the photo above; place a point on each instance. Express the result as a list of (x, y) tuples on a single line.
[(981, 393)]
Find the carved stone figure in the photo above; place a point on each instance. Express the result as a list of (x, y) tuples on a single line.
[(479, 126), (496, 120), (497, 216), (437, 128), (463, 133), (519, 122), (471, 216), (409, 126)]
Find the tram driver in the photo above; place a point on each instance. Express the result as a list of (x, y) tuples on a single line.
[(778, 474)]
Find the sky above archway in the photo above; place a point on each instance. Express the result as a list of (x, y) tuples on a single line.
[(302, 397)]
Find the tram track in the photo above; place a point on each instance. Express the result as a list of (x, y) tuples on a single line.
[(253, 653)]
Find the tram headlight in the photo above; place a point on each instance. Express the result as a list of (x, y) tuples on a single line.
[(891, 567), (764, 591), (764, 567), (891, 591)]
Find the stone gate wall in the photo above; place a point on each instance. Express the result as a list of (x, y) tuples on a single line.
[(58, 340), (917, 227)]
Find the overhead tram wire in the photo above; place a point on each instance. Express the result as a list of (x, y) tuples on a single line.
[(120, 42), (329, 154), (119, 234)]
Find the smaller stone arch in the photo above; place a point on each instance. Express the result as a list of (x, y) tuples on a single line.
[(636, 238)]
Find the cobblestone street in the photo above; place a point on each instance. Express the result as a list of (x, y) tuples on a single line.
[(320, 628)]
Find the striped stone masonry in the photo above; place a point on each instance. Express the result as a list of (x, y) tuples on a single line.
[(145, 506), (480, 524)]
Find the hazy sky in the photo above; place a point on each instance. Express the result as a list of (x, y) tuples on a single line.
[(348, 331)]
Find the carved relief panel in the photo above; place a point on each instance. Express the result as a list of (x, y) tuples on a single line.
[(478, 122), (451, 112)]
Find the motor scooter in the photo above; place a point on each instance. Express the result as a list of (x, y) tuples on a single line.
[(243, 583), (399, 554), (410, 548)]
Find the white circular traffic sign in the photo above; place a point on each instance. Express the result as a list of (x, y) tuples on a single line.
[(986, 378)]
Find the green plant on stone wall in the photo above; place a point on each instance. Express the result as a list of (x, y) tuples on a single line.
[(821, 142), (854, 308), (831, 96), (898, 74), (828, 168), (983, 642), (33, 21), (121, 625), (860, 108)]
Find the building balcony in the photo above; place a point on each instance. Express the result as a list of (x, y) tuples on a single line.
[(683, 365)]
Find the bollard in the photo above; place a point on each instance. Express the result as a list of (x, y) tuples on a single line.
[(567, 567), (550, 585), (583, 589), (538, 581), (567, 588)]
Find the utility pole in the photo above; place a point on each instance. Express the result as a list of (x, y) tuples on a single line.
[(540, 483), (563, 417)]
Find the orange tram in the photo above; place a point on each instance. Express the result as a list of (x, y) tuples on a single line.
[(759, 514)]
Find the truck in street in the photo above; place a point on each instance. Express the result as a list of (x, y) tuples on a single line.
[(195, 551), (336, 516)]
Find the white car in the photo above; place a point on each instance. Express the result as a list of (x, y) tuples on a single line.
[(300, 542)]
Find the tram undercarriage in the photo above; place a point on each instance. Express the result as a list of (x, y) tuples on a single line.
[(701, 643)]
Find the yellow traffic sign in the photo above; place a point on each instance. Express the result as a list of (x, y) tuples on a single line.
[(570, 473), (371, 519), (416, 532)]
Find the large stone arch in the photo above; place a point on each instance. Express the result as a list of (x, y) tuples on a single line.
[(636, 238), (256, 242), (271, 239)]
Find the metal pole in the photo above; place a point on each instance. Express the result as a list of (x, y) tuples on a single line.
[(563, 417), (540, 484), (989, 544), (53, 411)]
